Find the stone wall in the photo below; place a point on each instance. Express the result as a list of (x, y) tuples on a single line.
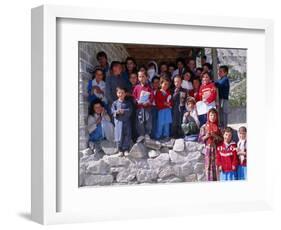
[(148, 162), (89, 50)]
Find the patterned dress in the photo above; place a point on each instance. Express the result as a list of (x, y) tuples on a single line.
[(210, 147)]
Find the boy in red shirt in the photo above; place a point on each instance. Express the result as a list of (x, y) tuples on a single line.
[(226, 157)]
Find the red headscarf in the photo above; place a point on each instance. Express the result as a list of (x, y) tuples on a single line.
[(212, 127)]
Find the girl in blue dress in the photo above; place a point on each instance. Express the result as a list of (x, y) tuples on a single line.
[(163, 101)]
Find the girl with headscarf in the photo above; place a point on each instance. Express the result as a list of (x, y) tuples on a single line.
[(211, 136), (152, 70)]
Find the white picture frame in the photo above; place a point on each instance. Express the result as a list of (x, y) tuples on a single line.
[(55, 199)]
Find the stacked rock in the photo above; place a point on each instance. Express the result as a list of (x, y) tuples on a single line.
[(148, 162)]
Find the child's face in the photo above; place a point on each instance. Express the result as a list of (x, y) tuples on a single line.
[(180, 65), (212, 117), (142, 77), (117, 70), (123, 67), (242, 135), (142, 69), (98, 109), (198, 73), (190, 106), (165, 85), (196, 84), (102, 61), (163, 68), (187, 77), (205, 79), (177, 82), (191, 64), (99, 75), (130, 65), (205, 68), (171, 69), (155, 84), (227, 136), (121, 94), (221, 72), (134, 79)]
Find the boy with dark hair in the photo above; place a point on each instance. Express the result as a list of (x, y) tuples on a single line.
[(163, 68), (130, 67), (121, 111), (99, 127), (191, 65), (180, 70), (133, 79), (223, 87), (203, 60), (198, 72), (179, 97), (207, 67), (103, 63), (226, 157), (171, 68), (114, 81)]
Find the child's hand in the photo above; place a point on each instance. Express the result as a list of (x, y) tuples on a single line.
[(163, 91), (213, 134), (96, 88), (186, 114), (140, 103), (208, 135), (233, 167), (146, 103), (121, 111), (167, 104), (220, 168), (98, 120)]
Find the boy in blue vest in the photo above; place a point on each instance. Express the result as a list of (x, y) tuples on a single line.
[(122, 110), (223, 87)]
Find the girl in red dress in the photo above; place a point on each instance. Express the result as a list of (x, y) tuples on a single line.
[(211, 136)]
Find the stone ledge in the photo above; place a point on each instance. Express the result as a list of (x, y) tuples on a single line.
[(180, 162)]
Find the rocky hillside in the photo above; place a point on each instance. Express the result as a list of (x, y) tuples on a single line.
[(236, 60)]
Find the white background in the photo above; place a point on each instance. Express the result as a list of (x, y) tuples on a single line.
[(15, 112)]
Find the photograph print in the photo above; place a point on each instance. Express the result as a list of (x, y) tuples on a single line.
[(151, 114)]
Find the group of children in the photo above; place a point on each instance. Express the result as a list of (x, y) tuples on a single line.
[(224, 159), (129, 104)]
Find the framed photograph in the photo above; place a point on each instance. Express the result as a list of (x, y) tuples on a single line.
[(142, 114)]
